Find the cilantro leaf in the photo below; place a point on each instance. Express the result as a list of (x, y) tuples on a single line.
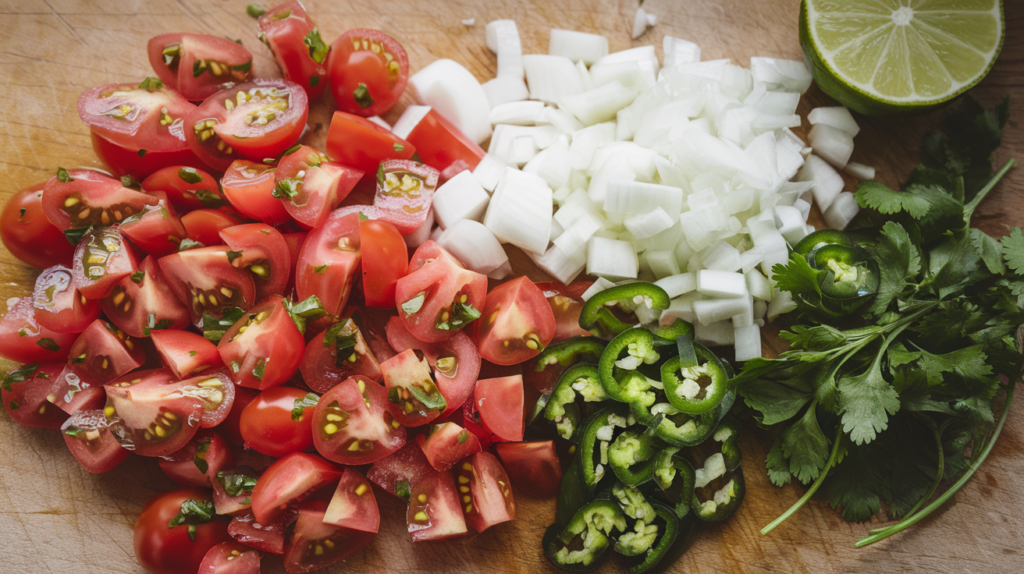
[(777, 401), (193, 513), (20, 375), (778, 466), (237, 481), (306, 310), (896, 256), (215, 327), (303, 403), (881, 198), (865, 399), (954, 265), (1013, 251), (854, 484), (805, 446), (989, 250)]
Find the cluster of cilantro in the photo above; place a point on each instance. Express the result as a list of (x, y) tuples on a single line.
[(885, 404)]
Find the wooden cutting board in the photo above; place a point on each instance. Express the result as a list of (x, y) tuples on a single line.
[(54, 517)]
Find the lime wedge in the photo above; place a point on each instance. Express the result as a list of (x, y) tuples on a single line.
[(883, 57)]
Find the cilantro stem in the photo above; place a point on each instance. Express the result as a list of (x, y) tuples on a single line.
[(833, 457), (908, 522), (970, 207)]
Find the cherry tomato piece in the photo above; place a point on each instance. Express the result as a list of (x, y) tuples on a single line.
[(23, 394), (263, 537), (24, 340), (142, 303), (368, 71), (262, 250), (206, 282), (230, 558), (87, 435), (405, 190), (335, 355), (103, 353), (314, 544), (161, 549), (566, 302), (353, 505), (249, 186), (434, 511), (516, 324), (446, 444), (139, 163), (29, 235), (264, 347), (204, 225), (102, 259), (533, 466), (289, 481), (150, 416), (187, 188), (438, 142), (58, 304), (329, 260), (385, 261), (294, 40), (278, 421), (185, 353), (310, 186), (362, 144), (439, 296), (402, 468), (232, 426), (198, 462), (232, 488), (500, 405), (413, 397), (351, 424), (156, 230), (490, 498), (82, 198), (198, 64)]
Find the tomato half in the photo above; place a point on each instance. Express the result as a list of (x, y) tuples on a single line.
[(434, 511), (296, 44), (231, 428), (232, 488), (249, 186), (187, 188), (90, 198), (499, 403), (205, 281), (72, 392), (438, 142), (314, 544), (256, 120), (446, 444), (198, 462), (470, 419), (263, 537), (24, 340), (413, 396), (396, 472), (198, 64), (566, 302), (385, 261), (310, 186), (289, 481), (279, 421), (405, 190), (351, 424), (335, 355), (185, 353), (329, 260), (264, 252), (230, 558), (142, 303), (204, 225), (150, 416), (264, 347), (516, 324), (139, 163), (455, 362), (362, 144), (29, 235), (439, 296), (23, 394), (533, 466), (58, 304), (489, 500), (368, 71), (353, 505), (156, 230), (87, 436), (295, 242), (161, 549), (103, 353), (102, 259)]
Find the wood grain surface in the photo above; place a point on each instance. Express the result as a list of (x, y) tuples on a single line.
[(55, 517)]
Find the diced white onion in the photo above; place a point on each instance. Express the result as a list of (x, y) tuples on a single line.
[(827, 183), (600, 104), (640, 54), (679, 284), (638, 75), (860, 171), (517, 113), (489, 171), (790, 75), (717, 334), (662, 263), (505, 89), (461, 197), (577, 46), (842, 211), (453, 91), (758, 285), (601, 284), (648, 224), (520, 211), (711, 311), (833, 145), (678, 51), (576, 236), (747, 343), (722, 284), (551, 78), (503, 40), (563, 267), (641, 21), (611, 259), (474, 245), (781, 303), (380, 122), (722, 257), (837, 117)]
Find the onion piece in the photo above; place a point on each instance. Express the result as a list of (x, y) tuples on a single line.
[(517, 113), (679, 51), (586, 141), (789, 75), (563, 267), (645, 225), (826, 181), (503, 39), (489, 171), (842, 211), (662, 263), (630, 74), (461, 197), (454, 92), (837, 117), (722, 257), (640, 54), (709, 311), (577, 46), (721, 284), (717, 334), (601, 284), (747, 343), (600, 104), (860, 171), (505, 89), (679, 284), (636, 197), (520, 211), (758, 285), (641, 21), (551, 78), (380, 122), (611, 259), (577, 235), (833, 145), (561, 119), (474, 245)]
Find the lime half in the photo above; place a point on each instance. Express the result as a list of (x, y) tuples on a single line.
[(883, 57)]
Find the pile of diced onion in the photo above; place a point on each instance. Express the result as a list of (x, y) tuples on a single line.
[(683, 172)]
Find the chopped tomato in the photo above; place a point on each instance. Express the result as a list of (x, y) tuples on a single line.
[(256, 120), (310, 185), (264, 347), (447, 444), (102, 259), (279, 421), (198, 462), (249, 186), (566, 302), (500, 405), (29, 235), (385, 261), (439, 296), (58, 304), (413, 397), (264, 252), (295, 242), (368, 70), (164, 549), (405, 190), (353, 505), (438, 142), (150, 416), (396, 472), (314, 544), (24, 340), (185, 353), (533, 466), (296, 44), (232, 488), (103, 353), (362, 144), (328, 262), (71, 392), (351, 424), (489, 498), (198, 64), (89, 198), (232, 426), (230, 558), (289, 481), (470, 419), (187, 188), (156, 230), (335, 355), (434, 511), (23, 393), (139, 163), (516, 324), (204, 225), (88, 437), (263, 537), (455, 362), (142, 303), (205, 281)]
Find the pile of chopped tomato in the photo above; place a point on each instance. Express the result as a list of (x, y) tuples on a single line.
[(215, 292)]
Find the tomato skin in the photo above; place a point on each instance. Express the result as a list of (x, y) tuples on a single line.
[(141, 401), (21, 335), (90, 198), (231, 428), (58, 304), (234, 63), (288, 481), (285, 36), (185, 353), (230, 558), (314, 544), (206, 271), (408, 464), (407, 210), (102, 258), (263, 537), (204, 225), (516, 324), (320, 368), (353, 505), (499, 403), (249, 186), (267, 425), (156, 230), (385, 261), (566, 302), (533, 466), (295, 242), (255, 140), (384, 79), (141, 308), (441, 145), (103, 353), (362, 144), (368, 424), (316, 185), (181, 467), (29, 235), (185, 195), (264, 251), (447, 444), (264, 348), (163, 550), (329, 260), (128, 161), (26, 401), (87, 436), (489, 490), (441, 507)]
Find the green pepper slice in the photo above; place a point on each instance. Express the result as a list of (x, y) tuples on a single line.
[(579, 380), (620, 361), (669, 532), (718, 499), (644, 533), (597, 317), (631, 457), (572, 492), (677, 329), (847, 272), (680, 429), (696, 389), (599, 433), (677, 483), (584, 541), (820, 238), (546, 368)]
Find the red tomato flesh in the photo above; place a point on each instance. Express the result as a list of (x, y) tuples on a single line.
[(164, 550), (185, 353), (314, 544), (142, 303), (153, 418), (310, 186), (230, 558), (24, 340), (516, 324), (26, 400), (351, 424), (385, 261), (362, 144), (264, 252), (368, 71), (187, 188), (263, 537), (413, 396), (328, 262), (29, 235), (489, 500), (326, 364), (87, 197), (533, 466), (434, 511), (405, 190), (102, 259), (499, 403), (198, 462), (353, 505), (566, 302), (249, 186), (205, 281), (205, 225), (288, 481), (447, 444), (58, 304), (88, 437), (232, 488), (396, 472), (198, 64), (296, 44), (263, 348), (277, 423), (438, 142)]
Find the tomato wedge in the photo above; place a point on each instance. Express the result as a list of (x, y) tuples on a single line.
[(58, 304), (446, 444), (405, 190), (156, 230), (288, 481), (198, 64), (198, 462), (256, 120), (264, 347), (230, 558), (23, 393), (385, 261), (438, 142), (264, 252), (185, 353), (353, 505), (29, 235), (328, 261), (88, 437), (149, 415), (24, 340), (368, 70), (362, 144), (439, 296), (103, 353), (413, 397), (314, 544), (164, 549), (187, 188), (296, 44), (279, 421), (205, 281), (249, 186), (516, 325), (263, 537), (89, 198), (232, 488), (142, 303), (351, 424), (489, 500), (204, 225), (102, 259), (396, 472), (310, 186), (533, 466), (500, 405), (336, 354), (434, 511), (566, 302)]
